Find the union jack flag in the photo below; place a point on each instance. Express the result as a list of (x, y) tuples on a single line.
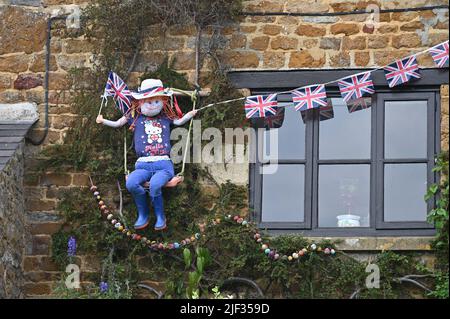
[(401, 71), (326, 112), (356, 86), (309, 97), (117, 88), (275, 121), (439, 54), (359, 104), (260, 105)]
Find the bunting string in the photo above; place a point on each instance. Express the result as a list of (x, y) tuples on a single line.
[(444, 44)]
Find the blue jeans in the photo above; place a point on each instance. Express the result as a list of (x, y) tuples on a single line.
[(158, 173)]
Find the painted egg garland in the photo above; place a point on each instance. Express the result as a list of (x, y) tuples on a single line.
[(154, 245)]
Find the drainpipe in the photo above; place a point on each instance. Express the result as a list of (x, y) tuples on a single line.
[(46, 79)]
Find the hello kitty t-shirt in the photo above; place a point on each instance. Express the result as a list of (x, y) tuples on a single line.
[(151, 135)]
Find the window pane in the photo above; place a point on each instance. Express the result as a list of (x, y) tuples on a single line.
[(347, 135), (404, 188), (344, 195), (291, 137), (405, 129), (283, 193)]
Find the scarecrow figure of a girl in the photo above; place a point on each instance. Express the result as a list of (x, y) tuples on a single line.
[(151, 124)]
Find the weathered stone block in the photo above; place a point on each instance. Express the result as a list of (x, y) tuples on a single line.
[(328, 43), (260, 43), (27, 81), (309, 30), (284, 43), (304, 59), (345, 28)]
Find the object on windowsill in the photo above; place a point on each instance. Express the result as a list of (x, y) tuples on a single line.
[(348, 220)]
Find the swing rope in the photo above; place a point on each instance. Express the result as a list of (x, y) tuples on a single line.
[(194, 97)]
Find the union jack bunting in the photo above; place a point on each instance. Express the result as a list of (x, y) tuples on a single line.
[(309, 97), (356, 86), (401, 71), (439, 53), (117, 88), (326, 112), (359, 104), (275, 121), (260, 105)]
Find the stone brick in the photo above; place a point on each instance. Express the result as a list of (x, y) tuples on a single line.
[(35, 95), (330, 43), (77, 46), (271, 29), (242, 59), (60, 122), (5, 81), (38, 63), (11, 96), (264, 6), (59, 81), (39, 245), (22, 30), (274, 60), (308, 6), (386, 57), (33, 289), (305, 59), (412, 26), (406, 40), (58, 179), (27, 81), (44, 228), (404, 16), (340, 59), (178, 30), (284, 43), (354, 43), (310, 30), (39, 263), (183, 61), (39, 204), (80, 179), (69, 62), (345, 28), (238, 41), (247, 28), (387, 28), (149, 61), (42, 276), (309, 43), (436, 38), (378, 42), (260, 43), (14, 63), (362, 58)]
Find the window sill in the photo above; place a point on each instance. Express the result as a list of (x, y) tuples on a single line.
[(380, 243)]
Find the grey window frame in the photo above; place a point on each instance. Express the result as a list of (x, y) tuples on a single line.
[(429, 86)]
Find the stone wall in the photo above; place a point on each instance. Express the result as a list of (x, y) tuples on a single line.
[(12, 227), (256, 42)]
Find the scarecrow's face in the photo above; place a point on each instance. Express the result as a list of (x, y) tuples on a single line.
[(152, 106)]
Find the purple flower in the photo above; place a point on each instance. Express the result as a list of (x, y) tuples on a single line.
[(103, 287), (71, 246)]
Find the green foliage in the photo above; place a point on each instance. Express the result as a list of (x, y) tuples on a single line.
[(439, 217)]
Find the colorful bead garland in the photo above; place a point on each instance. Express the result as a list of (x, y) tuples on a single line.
[(154, 245)]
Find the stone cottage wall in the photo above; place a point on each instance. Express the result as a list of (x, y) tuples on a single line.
[(13, 239), (258, 42)]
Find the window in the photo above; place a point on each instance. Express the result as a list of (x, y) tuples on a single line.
[(359, 173)]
